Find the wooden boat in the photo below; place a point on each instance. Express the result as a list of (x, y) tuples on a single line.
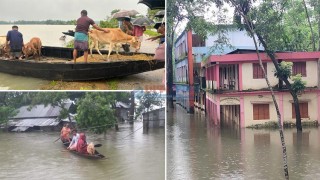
[(69, 33), (96, 155), (64, 69)]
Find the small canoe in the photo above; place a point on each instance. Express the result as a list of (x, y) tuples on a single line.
[(96, 155)]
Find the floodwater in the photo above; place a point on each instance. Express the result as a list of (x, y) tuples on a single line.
[(130, 155), (197, 150), (49, 35)]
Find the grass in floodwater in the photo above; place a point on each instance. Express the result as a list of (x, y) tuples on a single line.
[(113, 84)]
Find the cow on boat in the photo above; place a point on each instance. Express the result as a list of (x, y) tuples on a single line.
[(32, 48), (114, 38)]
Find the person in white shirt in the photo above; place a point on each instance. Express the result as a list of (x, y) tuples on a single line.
[(75, 138)]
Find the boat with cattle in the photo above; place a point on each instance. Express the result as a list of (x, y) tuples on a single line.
[(56, 64)]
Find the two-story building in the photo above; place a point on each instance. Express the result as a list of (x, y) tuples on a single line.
[(237, 92), (190, 51)]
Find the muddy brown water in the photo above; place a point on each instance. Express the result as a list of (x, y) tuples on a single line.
[(35, 156), (197, 150)]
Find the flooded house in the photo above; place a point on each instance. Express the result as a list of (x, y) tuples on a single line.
[(155, 118), (38, 117), (237, 92), (190, 51), (122, 111)]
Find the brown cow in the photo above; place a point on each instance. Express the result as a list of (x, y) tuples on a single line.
[(115, 37), (32, 48), (5, 50)]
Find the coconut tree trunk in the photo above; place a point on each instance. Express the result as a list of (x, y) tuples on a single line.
[(283, 144), (284, 149), (286, 81)]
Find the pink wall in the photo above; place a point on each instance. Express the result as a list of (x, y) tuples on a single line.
[(319, 106)]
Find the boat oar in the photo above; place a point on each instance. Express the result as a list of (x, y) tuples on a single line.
[(56, 140), (97, 145)]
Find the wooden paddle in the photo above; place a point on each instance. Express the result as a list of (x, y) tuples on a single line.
[(56, 140), (97, 145)]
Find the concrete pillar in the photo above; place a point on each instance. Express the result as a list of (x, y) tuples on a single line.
[(240, 77), (242, 118), (190, 74)]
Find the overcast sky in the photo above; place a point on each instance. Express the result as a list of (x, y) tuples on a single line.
[(12, 10)]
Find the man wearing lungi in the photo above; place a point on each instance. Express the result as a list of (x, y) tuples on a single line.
[(81, 35)]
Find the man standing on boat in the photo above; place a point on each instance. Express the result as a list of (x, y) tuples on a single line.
[(81, 35), (15, 40), (64, 134)]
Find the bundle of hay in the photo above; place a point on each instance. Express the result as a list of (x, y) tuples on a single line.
[(115, 57)]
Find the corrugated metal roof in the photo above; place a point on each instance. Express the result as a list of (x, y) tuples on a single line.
[(39, 111), (21, 128), (37, 122)]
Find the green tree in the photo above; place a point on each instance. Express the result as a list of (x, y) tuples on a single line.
[(7, 108), (95, 113), (95, 110), (110, 22)]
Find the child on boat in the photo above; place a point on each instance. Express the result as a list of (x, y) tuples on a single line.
[(75, 138)]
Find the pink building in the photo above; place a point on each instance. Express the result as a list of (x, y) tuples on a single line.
[(237, 92)]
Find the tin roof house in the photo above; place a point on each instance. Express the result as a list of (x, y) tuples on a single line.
[(39, 117), (122, 110), (155, 117)]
